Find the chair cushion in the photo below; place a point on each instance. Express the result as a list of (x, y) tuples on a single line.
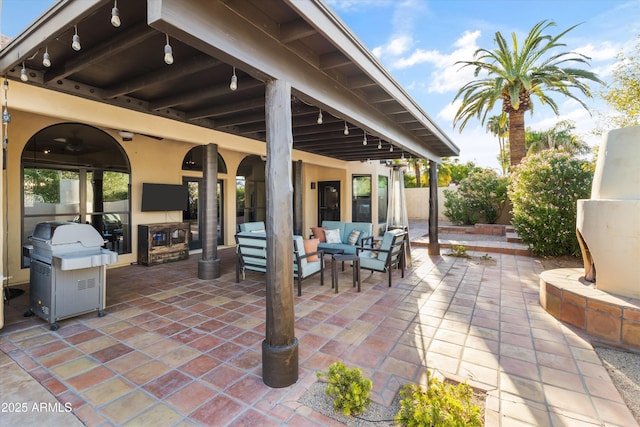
[(333, 236), (353, 237), (252, 226), (318, 233), (310, 246), (365, 229)]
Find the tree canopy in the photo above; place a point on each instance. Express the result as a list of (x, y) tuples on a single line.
[(623, 94)]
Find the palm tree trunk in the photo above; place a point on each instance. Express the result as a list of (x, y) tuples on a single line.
[(416, 167), (517, 147)]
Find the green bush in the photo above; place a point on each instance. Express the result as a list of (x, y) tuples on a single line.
[(348, 388), (480, 198), (544, 191), (440, 404)]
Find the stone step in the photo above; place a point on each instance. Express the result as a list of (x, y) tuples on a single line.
[(513, 237)]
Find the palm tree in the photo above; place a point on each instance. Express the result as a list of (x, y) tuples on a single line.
[(514, 74), (500, 129), (560, 137)]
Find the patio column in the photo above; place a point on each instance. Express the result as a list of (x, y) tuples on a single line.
[(209, 265), (297, 198), (434, 245), (280, 347)]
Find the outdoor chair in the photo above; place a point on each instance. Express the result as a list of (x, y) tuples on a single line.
[(390, 254), (251, 250), (302, 266)]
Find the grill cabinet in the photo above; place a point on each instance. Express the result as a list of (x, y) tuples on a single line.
[(68, 270)]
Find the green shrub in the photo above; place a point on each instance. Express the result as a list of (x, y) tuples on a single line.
[(544, 191), (440, 404), (348, 388), (480, 198), (459, 251)]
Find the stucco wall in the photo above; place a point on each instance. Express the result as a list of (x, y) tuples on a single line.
[(418, 203)]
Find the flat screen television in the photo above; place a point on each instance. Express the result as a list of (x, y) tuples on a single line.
[(164, 197)]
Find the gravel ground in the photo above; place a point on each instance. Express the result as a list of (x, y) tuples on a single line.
[(624, 370), (375, 415)]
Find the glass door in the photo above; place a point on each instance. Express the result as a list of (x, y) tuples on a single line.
[(328, 201), (191, 216)]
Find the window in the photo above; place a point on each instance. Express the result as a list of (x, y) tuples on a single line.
[(361, 208), (75, 172)]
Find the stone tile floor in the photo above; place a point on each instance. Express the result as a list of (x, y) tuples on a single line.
[(175, 350)]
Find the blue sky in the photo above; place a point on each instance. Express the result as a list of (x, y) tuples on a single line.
[(419, 41)]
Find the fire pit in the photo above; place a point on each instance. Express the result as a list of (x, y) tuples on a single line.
[(68, 270)]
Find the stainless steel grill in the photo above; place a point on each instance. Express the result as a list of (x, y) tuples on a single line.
[(68, 270)]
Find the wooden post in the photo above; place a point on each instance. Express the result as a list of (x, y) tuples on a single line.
[(297, 198), (209, 265), (280, 347), (434, 245)]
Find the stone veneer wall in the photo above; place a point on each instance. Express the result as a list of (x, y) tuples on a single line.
[(607, 318)]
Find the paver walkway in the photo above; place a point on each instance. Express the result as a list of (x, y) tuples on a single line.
[(175, 350)]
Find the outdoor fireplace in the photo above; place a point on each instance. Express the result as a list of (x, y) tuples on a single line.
[(608, 224)]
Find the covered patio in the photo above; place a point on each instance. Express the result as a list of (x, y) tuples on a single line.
[(178, 350)]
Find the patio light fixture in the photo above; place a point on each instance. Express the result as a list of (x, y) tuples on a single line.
[(75, 43), (346, 129), (234, 80), (115, 15), (46, 59), (319, 121), (23, 74), (364, 140), (168, 52)]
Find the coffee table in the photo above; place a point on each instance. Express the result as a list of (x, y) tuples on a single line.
[(334, 270)]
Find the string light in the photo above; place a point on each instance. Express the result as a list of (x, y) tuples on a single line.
[(319, 121), (379, 144), (115, 15), (23, 74), (390, 148), (6, 117), (346, 129), (234, 80), (75, 43), (46, 59), (168, 52), (364, 140)]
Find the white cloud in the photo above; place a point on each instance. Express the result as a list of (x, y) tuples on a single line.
[(396, 46), (354, 5), (449, 112), (605, 51)]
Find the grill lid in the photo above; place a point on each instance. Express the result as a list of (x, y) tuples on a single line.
[(61, 233)]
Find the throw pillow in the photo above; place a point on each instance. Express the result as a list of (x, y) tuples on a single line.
[(353, 237), (318, 233), (333, 236), (311, 246)]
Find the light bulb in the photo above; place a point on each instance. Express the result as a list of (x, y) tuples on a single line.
[(46, 59), (75, 43), (379, 144), (234, 80), (23, 74), (115, 17), (346, 129), (319, 121), (364, 140), (390, 148), (168, 52)]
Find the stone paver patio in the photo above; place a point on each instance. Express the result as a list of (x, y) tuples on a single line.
[(176, 350)]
